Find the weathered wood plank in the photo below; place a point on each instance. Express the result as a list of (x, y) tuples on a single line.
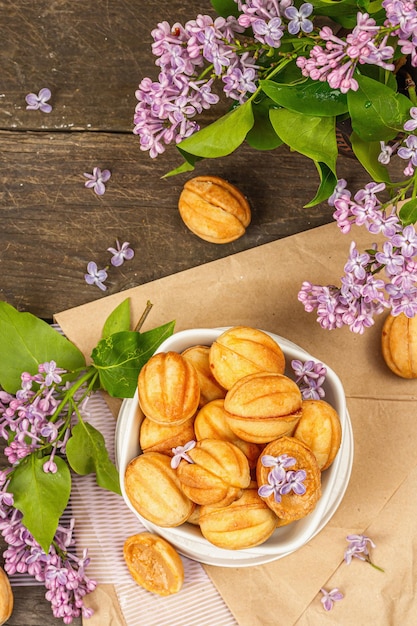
[(52, 226), (91, 57)]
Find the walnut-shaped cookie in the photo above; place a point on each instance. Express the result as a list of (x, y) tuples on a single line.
[(289, 478), (241, 351), (211, 423), (210, 389), (263, 406), (168, 388), (154, 490), (319, 428), (245, 523), (212, 472)]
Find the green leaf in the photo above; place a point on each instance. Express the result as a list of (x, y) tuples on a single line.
[(377, 112), (367, 153), (120, 357), (221, 137), (41, 497), (118, 320), (225, 7), (313, 136), (26, 341), (328, 181), (408, 212), (87, 454), (262, 135), (341, 11), (187, 166), (312, 96)]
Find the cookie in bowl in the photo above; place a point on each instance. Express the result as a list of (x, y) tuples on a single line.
[(168, 388), (215, 472), (289, 478), (245, 523), (154, 490), (240, 351), (263, 406)]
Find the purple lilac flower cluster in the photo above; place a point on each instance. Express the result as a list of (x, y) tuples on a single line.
[(192, 56), (29, 421), (27, 416), (282, 481), (336, 60), (61, 571), (363, 294)]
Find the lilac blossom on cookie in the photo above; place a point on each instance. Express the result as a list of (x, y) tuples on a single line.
[(310, 377), (180, 452), (280, 481), (97, 180), (39, 101)]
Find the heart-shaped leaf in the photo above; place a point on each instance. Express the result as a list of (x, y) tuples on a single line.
[(25, 342), (221, 137), (118, 320), (120, 357), (41, 497), (377, 113), (87, 454), (312, 96), (313, 136)]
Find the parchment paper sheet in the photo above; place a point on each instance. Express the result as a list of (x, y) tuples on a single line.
[(259, 287)]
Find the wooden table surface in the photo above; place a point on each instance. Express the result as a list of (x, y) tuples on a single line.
[(92, 57)]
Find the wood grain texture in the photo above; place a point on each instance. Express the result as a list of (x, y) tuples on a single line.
[(92, 60), (52, 226)]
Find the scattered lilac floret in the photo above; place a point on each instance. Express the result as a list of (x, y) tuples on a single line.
[(121, 253), (35, 102), (330, 597), (97, 180), (180, 452), (95, 276)]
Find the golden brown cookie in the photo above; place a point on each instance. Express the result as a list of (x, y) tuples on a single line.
[(319, 428), (217, 475), (245, 523), (154, 563), (214, 209), (292, 505), (211, 423), (241, 351), (154, 490), (263, 406), (399, 345), (168, 388), (162, 438), (210, 389)]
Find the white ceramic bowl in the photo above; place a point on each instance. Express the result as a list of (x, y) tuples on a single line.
[(187, 538)]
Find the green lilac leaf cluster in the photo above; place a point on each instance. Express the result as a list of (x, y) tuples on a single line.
[(303, 114), (26, 342)]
